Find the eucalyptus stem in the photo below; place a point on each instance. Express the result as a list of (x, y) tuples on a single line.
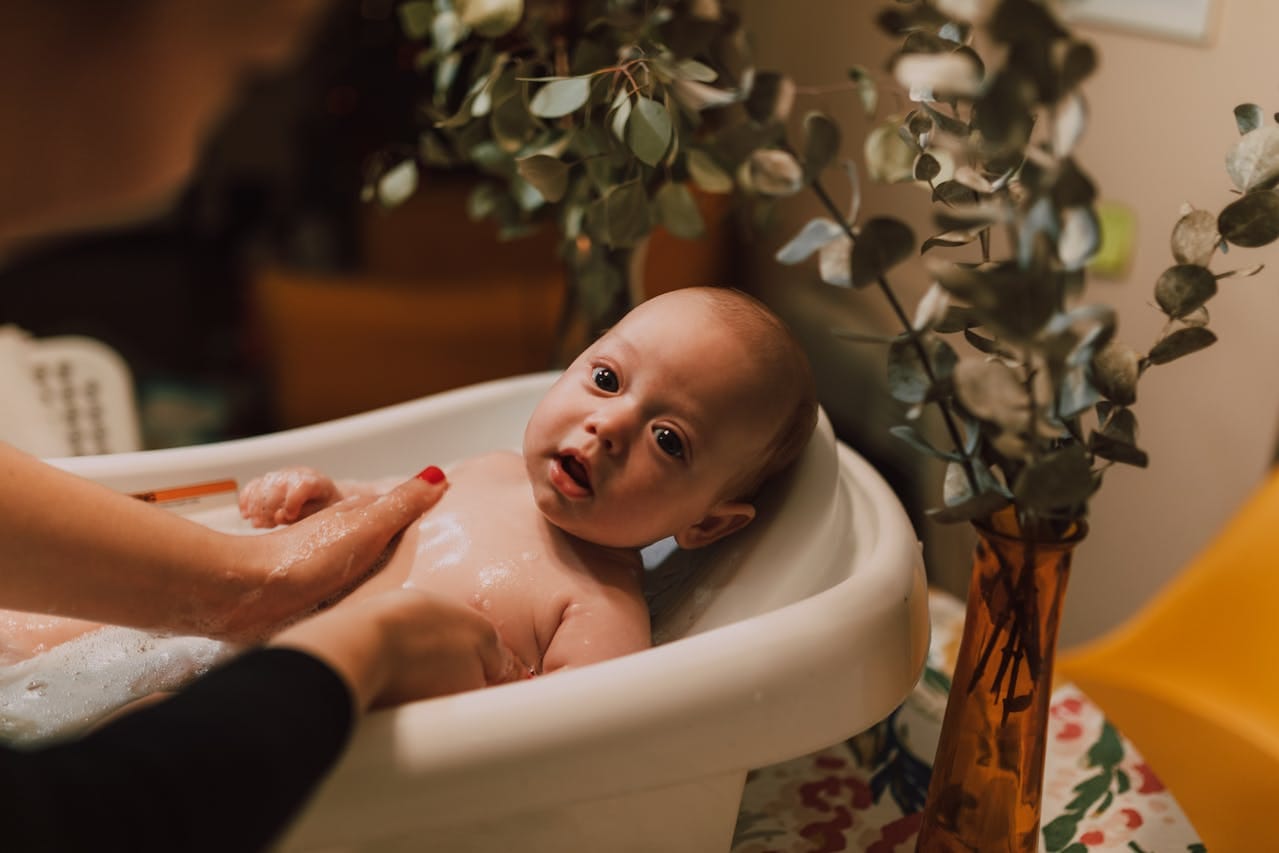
[(947, 417)]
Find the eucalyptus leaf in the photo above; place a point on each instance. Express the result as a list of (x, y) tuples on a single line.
[(1251, 221), (548, 175), (1056, 481), (1195, 238), (622, 215), (926, 167), (691, 69), (821, 143), (1117, 451), (986, 345), (649, 132), (815, 234), (699, 96), (889, 158), (773, 172), (1117, 439), (932, 309), (991, 392), (1183, 288), (560, 97), (490, 18), (677, 211), (948, 124), (962, 503), (1248, 117), (1015, 302), (1115, 370), (1075, 393), (512, 124), (398, 183), (1181, 342), (621, 115), (957, 319), (933, 76), (833, 261), (1254, 161), (1079, 61), (1070, 119), (908, 376), (952, 238), (1080, 237), (882, 243), (969, 177), (707, 174)]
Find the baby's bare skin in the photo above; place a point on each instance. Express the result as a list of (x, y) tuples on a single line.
[(556, 600)]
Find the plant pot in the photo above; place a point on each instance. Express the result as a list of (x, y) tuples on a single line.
[(986, 788)]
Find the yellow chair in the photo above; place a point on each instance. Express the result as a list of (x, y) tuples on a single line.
[(1193, 681)]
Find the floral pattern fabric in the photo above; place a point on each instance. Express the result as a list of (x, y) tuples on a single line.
[(867, 793)]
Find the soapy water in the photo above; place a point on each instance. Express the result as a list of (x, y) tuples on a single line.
[(67, 689)]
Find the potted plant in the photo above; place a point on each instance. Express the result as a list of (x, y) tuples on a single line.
[(589, 115), (1041, 404)]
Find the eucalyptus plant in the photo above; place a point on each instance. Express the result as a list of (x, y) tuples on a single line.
[(1045, 407), (587, 114)]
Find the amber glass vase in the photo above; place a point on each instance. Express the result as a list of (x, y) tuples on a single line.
[(985, 793)]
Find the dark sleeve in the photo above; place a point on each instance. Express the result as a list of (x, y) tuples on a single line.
[(221, 766)]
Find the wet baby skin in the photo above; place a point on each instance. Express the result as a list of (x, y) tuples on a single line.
[(556, 600)]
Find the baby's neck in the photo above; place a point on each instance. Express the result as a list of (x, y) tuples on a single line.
[(595, 551)]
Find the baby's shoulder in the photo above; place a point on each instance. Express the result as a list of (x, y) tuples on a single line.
[(492, 464)]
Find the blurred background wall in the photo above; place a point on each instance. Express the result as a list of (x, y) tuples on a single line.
[(1160, 127)]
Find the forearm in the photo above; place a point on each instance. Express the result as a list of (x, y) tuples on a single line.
[(74, 548)]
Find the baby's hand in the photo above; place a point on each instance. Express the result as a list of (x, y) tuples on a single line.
[(286, 495)]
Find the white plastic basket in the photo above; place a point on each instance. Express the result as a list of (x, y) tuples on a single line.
[(67, 395)]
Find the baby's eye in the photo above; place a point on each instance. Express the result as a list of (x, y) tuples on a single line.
[(605, 379), (669, 442)]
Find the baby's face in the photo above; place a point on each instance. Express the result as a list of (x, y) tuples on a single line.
[(645, 431)]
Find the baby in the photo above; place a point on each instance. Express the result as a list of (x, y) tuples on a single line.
[(666, 426)]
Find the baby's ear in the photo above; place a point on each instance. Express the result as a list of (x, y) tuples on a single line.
[(725, 518)]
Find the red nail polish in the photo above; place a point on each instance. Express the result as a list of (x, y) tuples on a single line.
[(431, 474)]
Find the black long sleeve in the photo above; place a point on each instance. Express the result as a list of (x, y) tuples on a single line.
[(220, 767)]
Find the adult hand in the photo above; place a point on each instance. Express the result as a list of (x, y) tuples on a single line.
[(403, 645), (325, 554)]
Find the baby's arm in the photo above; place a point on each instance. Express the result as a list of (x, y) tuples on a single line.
[(290, 494), (610, 623)]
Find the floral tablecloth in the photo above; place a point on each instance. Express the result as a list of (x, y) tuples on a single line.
[(866, 794)]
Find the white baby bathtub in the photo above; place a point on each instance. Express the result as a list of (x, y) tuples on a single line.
[(804, 629)]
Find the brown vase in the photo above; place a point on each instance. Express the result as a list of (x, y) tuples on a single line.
[(986, 788)]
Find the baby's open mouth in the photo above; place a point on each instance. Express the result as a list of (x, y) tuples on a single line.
[(576, 471)]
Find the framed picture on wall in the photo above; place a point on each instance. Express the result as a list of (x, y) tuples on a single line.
[(1182, 20)]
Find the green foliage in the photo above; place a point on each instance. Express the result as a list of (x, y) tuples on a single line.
[(1039, 406), (605, 115), (596, 116)]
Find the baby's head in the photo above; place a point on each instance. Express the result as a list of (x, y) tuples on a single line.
[(669, 424)]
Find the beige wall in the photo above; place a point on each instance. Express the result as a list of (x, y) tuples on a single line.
[(1161, 125)]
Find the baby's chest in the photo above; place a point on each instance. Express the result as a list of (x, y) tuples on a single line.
[(491, 555)]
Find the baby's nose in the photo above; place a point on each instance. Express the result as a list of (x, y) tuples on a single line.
[(611, 425)]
